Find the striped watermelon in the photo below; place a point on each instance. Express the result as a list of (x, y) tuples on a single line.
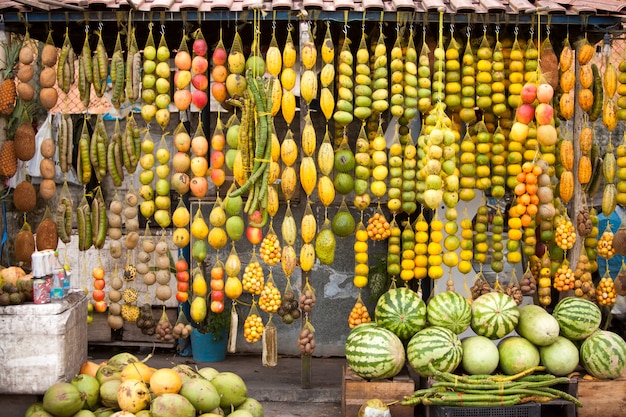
[(603, 354), (437, 345), (578, 318), (494, 315), (402, 311), (373, 352), (450, 310)]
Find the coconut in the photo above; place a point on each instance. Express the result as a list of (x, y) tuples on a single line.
[(25, 91), (48, 97), (201, 394), (208, 372), (133, 396), (121, 360), (108, 393), (619, 241), (47, 168), (232, 389), (36, 406), (49, 55), (107, 373), (47, 189), (41, 413), (25, 73), (172, 405), (47, 148), (47, 78), (26, 55), (24, 197), (62, 400), (104, 412), (89, 387), (47, 235), (253, 406), (84, 413)]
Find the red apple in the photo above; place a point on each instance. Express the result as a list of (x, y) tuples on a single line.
[(182, 286), (200, 82), (528, 93), (100, 306), (254, 235), (219, 56), (218, 176), (256, 216), (199, 99), (200, 47), (217, 295), (199, 65), (544, 113), (182, 99), (182, 276), (217, 306), (181, 265), (525, 113), (182, 297)]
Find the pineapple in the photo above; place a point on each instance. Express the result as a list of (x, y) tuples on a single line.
[(7, 87), (8, 160)]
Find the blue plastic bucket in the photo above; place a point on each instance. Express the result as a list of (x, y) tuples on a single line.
[(205, 348)]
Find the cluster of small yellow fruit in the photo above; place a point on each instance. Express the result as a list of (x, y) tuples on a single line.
[(269, 299), (253, 328), (358, 315), (253, 278), (270, 249)]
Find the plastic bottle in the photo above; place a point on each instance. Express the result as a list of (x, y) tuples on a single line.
[(58, 278)]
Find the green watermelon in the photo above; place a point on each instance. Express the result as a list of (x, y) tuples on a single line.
[(494, 315), (402, 311), (437, 345), (374, 352), (603, 354), (450, 310), (578, 318)]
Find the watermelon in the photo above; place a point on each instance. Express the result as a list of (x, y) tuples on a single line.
[(578, 318), (437, 345), (450, 310), (374, 352), (402, 311), (494, 315), (603, 354)]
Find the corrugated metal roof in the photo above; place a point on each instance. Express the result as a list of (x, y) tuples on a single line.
[(568, 7)]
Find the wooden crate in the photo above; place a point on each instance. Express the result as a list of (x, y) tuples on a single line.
[(356, 390), (606, 398)]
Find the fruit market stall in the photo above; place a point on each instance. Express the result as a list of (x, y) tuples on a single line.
[(436, 177)]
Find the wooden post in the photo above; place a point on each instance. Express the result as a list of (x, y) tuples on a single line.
[(4, 39), (577, 201)]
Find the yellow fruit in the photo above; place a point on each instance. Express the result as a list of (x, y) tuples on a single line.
[(217, 238), (288, 106), (199, 228), (199, 285), (308, 54), (309, 138), (308, 86), (288, 182), (326, 190), (326, 158), (308, 228), (308, 175), (327, 103), (307, 257), (233, 288), (273, 60)]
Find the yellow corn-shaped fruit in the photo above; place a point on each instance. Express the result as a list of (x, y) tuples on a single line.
[(609, 165), (327, 103), (308, 86), (326, 190), (609, 114), (566, 59), (309, 138), (288, 260), (326, 157), (328, 48), (288, 182), (566, 186), (272, 200), (610, 80), (308, 174), (289, 150), (327, 75), (288, 78), (308, 54), (277, 95), (289, 53), (308, 227), (273, 60), (238, 169), (566, 154), (289, 229), (288, 106), (307, 257)]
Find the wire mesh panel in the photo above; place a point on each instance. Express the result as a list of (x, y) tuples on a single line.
[(523, 410)]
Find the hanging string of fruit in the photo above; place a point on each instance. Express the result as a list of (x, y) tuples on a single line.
[(424, 103), (288, 79), (48, 95), (182, 75)]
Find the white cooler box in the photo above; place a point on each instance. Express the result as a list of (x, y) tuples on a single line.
[(42, 344)]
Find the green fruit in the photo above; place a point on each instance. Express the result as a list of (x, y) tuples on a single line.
[(233, 205), (343, 224), (325, 245), (234, 227), (232, 136), (199, 250), (344, 160), (344, 183)]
